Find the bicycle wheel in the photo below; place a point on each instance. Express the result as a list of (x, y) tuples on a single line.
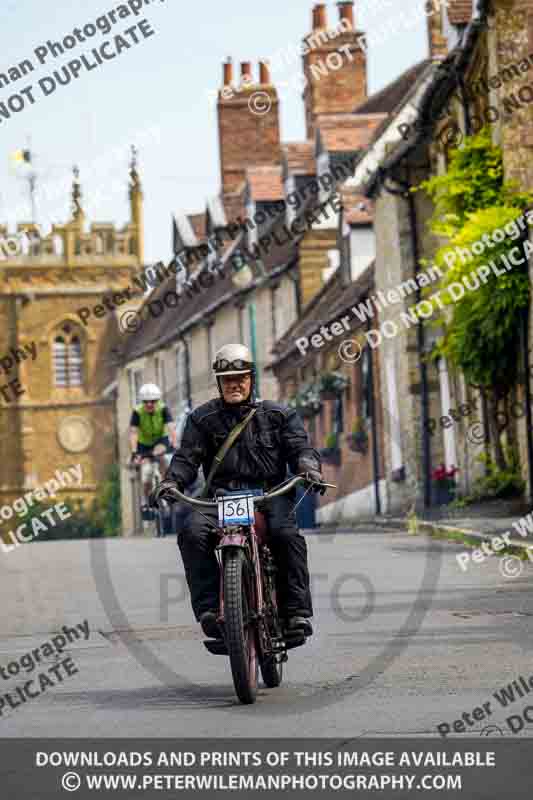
[(240, 632), (159, 531)]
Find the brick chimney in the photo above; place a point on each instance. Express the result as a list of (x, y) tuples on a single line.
[(438, 46), (346, 12), (336, 78), (264, 73), (248, 124)]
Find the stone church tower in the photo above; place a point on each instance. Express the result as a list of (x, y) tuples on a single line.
[(54, 368)]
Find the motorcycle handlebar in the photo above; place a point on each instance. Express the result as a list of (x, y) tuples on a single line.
[(177, 495)]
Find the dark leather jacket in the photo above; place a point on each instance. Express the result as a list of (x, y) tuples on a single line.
[(273, 439)]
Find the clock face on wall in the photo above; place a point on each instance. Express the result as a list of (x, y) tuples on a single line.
[(75, 434)]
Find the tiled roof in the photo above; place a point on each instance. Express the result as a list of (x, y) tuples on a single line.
[(156, 332), (359, 210), (386, 100), (460, 11), (300, 158), (265, 183), (332, 302)]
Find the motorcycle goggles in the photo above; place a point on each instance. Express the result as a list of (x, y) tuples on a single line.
[(223, 366)]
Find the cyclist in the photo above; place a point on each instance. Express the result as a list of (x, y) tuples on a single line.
[(151, 433), (272, 440)]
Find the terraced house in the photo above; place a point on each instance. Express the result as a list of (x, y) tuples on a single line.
[(446, 417), (293, 243)]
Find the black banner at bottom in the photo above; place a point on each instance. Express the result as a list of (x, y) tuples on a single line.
[(482, 769)]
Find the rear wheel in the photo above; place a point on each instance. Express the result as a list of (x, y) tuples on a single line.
[(240, 631), (271, 672)]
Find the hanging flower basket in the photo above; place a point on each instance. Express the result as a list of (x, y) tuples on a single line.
[(331, 454), (332, 384), (307, 401), (357, 440)]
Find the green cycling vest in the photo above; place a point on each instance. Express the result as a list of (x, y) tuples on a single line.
[(152, 426)]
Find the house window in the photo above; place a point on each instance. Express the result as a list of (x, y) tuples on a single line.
[(67, 357), (136, 381), (181, 377)]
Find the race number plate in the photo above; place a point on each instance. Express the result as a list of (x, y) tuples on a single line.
[(236, 509)]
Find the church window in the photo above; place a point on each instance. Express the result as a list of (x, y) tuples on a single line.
[(67, 357)]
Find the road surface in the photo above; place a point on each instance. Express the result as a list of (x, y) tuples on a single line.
[(404, 642)]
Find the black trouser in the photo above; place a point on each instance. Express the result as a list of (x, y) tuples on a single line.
[(288, 546)]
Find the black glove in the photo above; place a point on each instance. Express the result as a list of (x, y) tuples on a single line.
[(161, 491), (315, 476)]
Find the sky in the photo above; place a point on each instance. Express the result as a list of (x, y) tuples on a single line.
[(159, 95)]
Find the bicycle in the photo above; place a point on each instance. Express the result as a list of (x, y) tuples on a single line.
[(163, 517), (253, 636)]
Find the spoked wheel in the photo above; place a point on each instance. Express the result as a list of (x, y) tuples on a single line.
[(240, 632)]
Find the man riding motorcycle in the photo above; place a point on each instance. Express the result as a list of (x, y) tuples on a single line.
[(273, 439), (151, 429)]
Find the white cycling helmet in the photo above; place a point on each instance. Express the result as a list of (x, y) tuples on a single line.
[(149, 392)]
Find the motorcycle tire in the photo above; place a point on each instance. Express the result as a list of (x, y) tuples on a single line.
[(240, 633)]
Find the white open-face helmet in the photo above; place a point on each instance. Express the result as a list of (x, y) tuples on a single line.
[(233, 359), (149, 392)]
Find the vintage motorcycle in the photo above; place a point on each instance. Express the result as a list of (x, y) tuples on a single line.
[(253, 635)]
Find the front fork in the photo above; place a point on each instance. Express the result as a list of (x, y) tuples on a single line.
[(247, 542)]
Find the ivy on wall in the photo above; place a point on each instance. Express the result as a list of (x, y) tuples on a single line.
[(482, 329)]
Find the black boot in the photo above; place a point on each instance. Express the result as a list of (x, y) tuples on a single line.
[(209, 624), (299, 625)]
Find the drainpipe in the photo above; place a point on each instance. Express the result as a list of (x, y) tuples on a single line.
[(372, 408), (253, 345), (406, 193), (188, 386)]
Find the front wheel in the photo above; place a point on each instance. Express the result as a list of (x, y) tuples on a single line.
[(240, 630)]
